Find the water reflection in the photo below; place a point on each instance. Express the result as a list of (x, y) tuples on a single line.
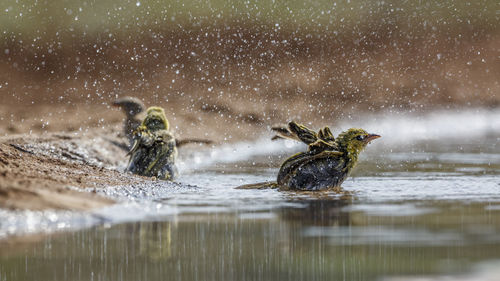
[(155, 240), (321, 239), (319, 212)]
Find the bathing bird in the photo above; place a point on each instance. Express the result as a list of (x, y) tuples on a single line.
[(154, 151), (133, 107), (327, 162)]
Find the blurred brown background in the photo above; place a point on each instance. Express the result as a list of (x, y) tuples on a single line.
[(243, 64)]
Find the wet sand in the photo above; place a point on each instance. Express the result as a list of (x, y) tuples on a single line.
[(50, 172)]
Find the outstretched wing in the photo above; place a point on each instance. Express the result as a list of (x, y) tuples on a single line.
[(326, 135), (295, 131), (326, 141), (305, 134), (318, 142), (282, 132), (183, 142)]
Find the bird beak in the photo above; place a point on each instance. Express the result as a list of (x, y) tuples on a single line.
[(371, 137)]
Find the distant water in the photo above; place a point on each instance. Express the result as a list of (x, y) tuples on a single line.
[(404, 128)]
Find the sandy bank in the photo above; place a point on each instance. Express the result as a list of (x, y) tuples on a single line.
[(51, 172)]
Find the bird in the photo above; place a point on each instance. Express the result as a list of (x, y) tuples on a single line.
[(132, 107), (327, 162), (154, 151)]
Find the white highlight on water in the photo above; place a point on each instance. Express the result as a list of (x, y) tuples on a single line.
[(396, 129), (400, 128)]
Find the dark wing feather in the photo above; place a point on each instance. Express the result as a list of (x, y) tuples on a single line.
[(183, 142), (326, 135), (282, 132), (305, 134), (319, 172)]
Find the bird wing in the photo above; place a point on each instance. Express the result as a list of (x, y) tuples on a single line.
[(183, 142), (324, 154), (321, 145), (301, 159), (305, 134), (291, 164), (142, 137), (134, 148), (282, 132), (294, 131), (164, 143), (326, 135)]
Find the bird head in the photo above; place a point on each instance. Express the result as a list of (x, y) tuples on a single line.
[(130, 105), (155, 119), (355, 140)]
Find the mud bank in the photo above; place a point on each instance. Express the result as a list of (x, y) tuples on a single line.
[(53, 171)]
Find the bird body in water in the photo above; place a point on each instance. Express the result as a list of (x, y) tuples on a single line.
[(327, 162), (154, 151)]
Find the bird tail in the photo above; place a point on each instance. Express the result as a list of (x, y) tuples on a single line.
[(260, 185)]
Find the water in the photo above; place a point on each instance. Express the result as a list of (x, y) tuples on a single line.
[(423, 207)]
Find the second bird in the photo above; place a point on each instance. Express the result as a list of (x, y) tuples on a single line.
[(154, 151)]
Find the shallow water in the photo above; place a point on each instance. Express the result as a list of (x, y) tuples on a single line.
[(414, 208)]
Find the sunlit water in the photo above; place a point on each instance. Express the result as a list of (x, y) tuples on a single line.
[(421, 204)]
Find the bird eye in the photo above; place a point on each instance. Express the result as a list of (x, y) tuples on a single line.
[(360, 138)]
